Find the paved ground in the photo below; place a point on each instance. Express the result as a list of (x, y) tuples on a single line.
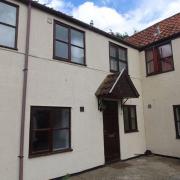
[(143, 168)]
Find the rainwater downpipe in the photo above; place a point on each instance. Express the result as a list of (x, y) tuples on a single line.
[(24, 92)]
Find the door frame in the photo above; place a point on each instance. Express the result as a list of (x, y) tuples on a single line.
[(119, 149)]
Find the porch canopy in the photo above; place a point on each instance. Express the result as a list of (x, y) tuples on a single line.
[(117, 87)]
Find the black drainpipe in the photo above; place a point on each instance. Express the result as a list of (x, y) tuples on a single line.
[(23, 108)]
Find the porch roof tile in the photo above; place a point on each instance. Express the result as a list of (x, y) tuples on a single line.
[(117, 86)]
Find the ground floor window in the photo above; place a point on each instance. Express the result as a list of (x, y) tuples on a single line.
[(177, 120), (49, 130), (130, 118)]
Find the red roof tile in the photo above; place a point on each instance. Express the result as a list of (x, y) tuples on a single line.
[(167, 28)]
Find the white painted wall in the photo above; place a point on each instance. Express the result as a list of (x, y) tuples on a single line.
[(132, 144), (55, 83), (11, 66), (162, 92)]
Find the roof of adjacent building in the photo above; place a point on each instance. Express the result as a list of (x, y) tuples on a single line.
[(167, 28)]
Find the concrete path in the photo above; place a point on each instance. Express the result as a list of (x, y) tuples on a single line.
[(143, 168)]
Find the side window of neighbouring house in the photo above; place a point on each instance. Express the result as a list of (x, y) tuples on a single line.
[(49, 130), (69, 44), (117, 57), (8, 24), (130, 118), (177, 120), (159, 59)]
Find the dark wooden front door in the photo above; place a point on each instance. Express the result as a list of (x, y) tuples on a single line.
[(111, 132)]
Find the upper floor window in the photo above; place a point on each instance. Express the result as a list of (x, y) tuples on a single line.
[(130, 118), (159, 59), (50, 130), (177, 120), (118, 58), (8, 24), (69, 44)]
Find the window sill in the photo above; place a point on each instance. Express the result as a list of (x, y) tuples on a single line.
[(50, 153), (112, 71), (68, 61), (126, 132), (6, 47), (153, 74)]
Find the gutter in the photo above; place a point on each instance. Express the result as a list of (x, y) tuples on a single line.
[(24, 94), (74, 21)]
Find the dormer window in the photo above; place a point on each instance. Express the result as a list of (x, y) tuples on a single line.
[(159, 59), (8, 25)]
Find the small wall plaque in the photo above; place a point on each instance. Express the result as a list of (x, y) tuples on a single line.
[(149, 106), (81, 109)]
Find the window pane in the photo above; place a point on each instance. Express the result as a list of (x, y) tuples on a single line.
[(112, 51), (178, 114), (61, 33), (40, 141), (149, 55), (77, 38), (77, 55), (133, 123), (126, 120), (133, 112), (150, 67), (61, 50), (60, 139), (133, 118), (165, 51), (40, 119), (122, 54), (130, 121), (61, 118), (177, 111), (7, 14), (122, 66), (178, 128), (7, 36), (167, 64), (114, 65)]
